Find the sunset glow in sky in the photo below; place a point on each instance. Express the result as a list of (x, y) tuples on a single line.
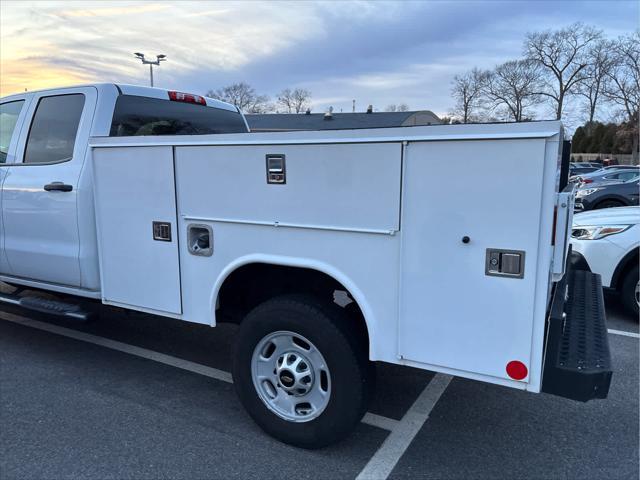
[(377, 53)]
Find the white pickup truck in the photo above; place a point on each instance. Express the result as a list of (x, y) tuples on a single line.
[(441, 247)]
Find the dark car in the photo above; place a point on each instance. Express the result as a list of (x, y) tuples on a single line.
[(586, 164), (620, 194), (573, 170)]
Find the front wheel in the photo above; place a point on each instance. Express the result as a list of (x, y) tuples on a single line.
[(301, 372), (608, 204)]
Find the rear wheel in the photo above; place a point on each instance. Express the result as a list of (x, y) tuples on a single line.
[(630, 291), (301, 372)]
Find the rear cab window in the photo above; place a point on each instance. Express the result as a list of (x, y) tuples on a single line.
[(136, 116), (9, 113)]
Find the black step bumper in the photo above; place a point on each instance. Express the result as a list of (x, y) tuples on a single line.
[(577, 362)]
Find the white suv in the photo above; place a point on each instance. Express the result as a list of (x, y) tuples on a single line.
[(606, 242)]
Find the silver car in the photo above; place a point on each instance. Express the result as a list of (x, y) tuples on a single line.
[(607, 175)]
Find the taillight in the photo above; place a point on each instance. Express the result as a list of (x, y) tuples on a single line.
[(187, 98), (587, 180)]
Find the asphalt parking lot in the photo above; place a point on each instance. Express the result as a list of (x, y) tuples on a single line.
[(136, 396)]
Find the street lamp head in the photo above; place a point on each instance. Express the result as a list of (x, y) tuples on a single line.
[(161, 56), (139, 55)]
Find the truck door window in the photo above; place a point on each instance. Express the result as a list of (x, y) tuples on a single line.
[(135, 115), (9, 113), (53, 129)]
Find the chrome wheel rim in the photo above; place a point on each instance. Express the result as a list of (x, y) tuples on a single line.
[(291, 376)]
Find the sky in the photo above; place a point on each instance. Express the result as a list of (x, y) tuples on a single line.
[(376, 53)]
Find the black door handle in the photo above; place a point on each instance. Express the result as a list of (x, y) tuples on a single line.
[(58, 187)]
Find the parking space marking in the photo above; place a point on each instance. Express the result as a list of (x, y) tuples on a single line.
[(379, 421), (373, 419), (121, 347), (385, 459), (623, 333)]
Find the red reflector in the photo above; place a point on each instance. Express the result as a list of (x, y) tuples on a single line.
[(187, 98), (517, 370), (587, 180)]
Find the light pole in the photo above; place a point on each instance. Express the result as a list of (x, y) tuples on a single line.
[(151, 63)]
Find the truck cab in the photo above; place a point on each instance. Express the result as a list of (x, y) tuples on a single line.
[(47, 227)]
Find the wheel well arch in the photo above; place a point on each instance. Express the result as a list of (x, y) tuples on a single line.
[(251, 280), (624, 265)]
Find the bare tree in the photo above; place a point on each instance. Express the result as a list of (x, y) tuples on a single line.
[(243, 96), (467, 91), (295, 101), (623, 88), (563, 55), (600, 60), (512, 87), (403, 107), (623, 85)]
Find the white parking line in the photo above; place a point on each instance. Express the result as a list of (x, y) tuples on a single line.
[(121, 347), (370, 418), (385, 459), (379, 421), (623, 333)]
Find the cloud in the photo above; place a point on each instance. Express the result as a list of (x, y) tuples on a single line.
[(207, 13), (191, 36), (114, 11), (375, 52), (20, 77)]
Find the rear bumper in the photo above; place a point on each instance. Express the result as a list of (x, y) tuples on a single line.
[(577, 362)]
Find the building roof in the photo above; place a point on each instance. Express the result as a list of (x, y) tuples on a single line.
[(274, 122)]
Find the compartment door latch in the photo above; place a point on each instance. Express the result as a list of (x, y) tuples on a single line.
[(276, 170), (504, 263), (162, 231)]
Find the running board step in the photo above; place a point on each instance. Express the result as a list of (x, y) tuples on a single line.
[(52, 307), (577, 360)]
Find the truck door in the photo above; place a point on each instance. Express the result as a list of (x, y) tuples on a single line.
[(40, 190), (12, 113), (464, 200)]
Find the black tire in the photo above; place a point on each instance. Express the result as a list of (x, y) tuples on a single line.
[(328, 328), (628, 291), (609, 204)]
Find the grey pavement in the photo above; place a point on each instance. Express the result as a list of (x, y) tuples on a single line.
[(70, 409)]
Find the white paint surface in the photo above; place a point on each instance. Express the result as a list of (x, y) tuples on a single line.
[(133, 188)]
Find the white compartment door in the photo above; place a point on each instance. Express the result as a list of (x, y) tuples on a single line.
[(452, 314), (135, 188)]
